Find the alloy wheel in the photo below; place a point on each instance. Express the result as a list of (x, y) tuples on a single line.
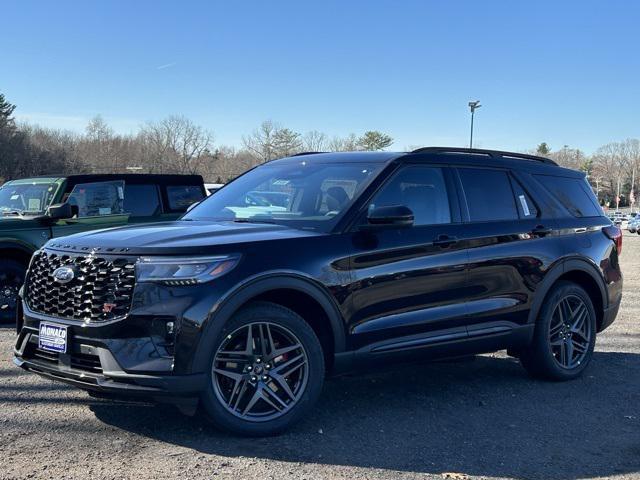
[(570, 332), (9, 285), (260, 371)]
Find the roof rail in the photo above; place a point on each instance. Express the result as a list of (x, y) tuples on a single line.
[(490, 153), (304, 153)]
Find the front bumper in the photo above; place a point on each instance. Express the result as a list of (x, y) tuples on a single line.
[(93, 368)]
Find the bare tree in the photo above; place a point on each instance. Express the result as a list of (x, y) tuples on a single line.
[(611, 164), (350, 143), (261, 142), (568, 157), (314, 141), (97, 129), (631, 151), (176, 145)]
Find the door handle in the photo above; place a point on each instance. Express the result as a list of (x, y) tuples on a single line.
[(444, 241), (541, 230)]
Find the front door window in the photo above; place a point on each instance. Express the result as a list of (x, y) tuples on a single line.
[(98, 199)]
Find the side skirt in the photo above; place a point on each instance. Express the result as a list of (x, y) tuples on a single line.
[(485, 338)]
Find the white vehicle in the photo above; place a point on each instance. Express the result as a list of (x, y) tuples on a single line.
[(633, 224), (212, 188)]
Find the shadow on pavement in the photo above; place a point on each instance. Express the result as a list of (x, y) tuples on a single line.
[(482, 418)]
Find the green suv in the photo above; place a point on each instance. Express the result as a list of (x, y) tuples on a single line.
[(33, 210)]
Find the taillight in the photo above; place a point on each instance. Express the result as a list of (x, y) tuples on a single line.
[(615, 234)]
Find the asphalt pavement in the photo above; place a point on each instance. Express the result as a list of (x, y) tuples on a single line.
[(482, 418)]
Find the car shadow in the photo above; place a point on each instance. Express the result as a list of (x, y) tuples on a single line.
[(484, 417)]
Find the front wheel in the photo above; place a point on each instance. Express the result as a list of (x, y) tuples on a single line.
[(12, 275), (266, 372), (565, 335)]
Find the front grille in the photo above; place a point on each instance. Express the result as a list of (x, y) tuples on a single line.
[(101, 289), (78, 361)]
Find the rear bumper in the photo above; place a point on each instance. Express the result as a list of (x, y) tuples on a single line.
[(610, 315)]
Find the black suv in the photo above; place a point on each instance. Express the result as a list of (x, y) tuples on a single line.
[(324, 262)]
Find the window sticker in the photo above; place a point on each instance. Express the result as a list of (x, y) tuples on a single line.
[(15, 197), (34, 204), (525, 206)]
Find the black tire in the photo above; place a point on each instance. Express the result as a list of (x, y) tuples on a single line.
[(548, 357), (12, 274), (216, 400)]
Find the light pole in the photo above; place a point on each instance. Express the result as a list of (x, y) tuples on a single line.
[(473, 106)]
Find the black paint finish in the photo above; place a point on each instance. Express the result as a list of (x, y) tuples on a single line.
[(389, 292)]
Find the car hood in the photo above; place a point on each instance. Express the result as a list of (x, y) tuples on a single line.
[(176, 238), (8, 222)]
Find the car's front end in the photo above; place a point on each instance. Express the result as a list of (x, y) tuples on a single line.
[(115, 323), (124, 311)]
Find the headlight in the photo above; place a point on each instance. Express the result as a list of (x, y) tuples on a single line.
[(183, 270)]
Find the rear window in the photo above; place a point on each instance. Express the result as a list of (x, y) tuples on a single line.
[(489, 195), (574, 194), (180, 197)]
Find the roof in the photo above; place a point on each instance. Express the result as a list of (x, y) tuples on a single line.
[(338, 157), (444, 155), (34, 180), (138, 178), (483, 152)]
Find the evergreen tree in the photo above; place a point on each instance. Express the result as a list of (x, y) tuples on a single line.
[(543, 149), (374, 140)]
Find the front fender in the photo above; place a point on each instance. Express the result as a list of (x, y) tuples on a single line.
[(16, 244), (251, 288)]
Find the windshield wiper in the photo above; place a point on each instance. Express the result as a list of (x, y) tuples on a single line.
[(12, 212), (252, 220)]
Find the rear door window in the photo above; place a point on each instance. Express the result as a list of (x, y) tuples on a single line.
[(489, 194), (574, 194), (526, 207), (141, 200)]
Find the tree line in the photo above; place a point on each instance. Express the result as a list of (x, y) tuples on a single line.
[(172, 145), (178, 145), (612, 169)]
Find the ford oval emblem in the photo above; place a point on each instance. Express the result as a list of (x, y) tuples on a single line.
[(63, 274)]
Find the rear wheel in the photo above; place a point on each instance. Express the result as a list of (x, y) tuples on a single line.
[(266, 372), (12, 275), (565, 335)]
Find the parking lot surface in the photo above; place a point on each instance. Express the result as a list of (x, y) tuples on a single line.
[(482, 418)]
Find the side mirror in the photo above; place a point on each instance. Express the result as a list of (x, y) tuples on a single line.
[(390, 216), (60, 211)]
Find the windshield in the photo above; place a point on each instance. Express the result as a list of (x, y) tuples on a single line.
[(26, 198), (302, 195)]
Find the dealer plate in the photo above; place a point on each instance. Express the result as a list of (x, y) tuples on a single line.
[(52, 337)]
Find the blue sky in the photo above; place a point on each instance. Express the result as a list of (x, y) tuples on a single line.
[(564, 72)]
